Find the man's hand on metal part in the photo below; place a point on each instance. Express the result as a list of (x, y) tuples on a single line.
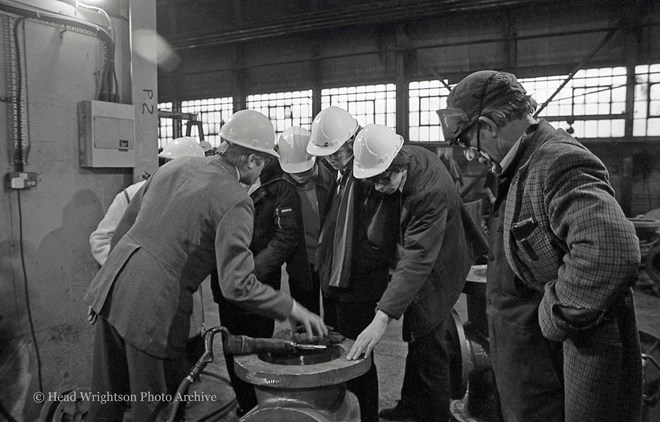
[(369, 337), (312, 322)]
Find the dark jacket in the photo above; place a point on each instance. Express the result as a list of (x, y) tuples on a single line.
[(298, 266), (277, 228), (434, 253)]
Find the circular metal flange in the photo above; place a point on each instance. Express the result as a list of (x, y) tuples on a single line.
[(460, 347), (645, 223), (252, 369), (72, 407)]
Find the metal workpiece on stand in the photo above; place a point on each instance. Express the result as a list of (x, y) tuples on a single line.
[(306, 385)]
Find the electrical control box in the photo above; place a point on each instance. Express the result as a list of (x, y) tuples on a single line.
[(106, 134), (21, 179)]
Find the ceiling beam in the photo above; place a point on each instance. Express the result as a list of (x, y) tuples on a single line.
[(360, 14)]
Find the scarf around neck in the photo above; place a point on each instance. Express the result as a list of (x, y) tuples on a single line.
[(336, 239)]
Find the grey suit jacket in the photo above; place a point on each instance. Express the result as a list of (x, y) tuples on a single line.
[(190, 218)]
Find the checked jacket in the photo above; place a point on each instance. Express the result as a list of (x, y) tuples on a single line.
[(566, 235)]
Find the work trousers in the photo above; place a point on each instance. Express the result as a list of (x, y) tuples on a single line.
[(241, 322), (124, 375), (350, 319), (426, 380)]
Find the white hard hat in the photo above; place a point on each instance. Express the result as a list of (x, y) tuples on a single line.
[(250, 129), (292, 148), (182, 147), (374, 150), (331, 128)]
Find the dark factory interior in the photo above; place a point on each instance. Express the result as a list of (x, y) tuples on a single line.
[(91, 92)]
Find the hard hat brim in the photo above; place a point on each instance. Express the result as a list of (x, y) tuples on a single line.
[(297, 167), (364, 173), (258, 149), (360, 173), (322, 151)]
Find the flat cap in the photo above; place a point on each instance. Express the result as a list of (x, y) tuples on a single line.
[(485, 88)]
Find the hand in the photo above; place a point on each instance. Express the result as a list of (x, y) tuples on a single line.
[(311, 321), (369, 337), (291, 324), (92, 316)]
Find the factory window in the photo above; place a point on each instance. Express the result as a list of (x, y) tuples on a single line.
[(425, 98), (368, 104), (165, 126), (212, 112), (591, 105), (285, 109), (647, 101)]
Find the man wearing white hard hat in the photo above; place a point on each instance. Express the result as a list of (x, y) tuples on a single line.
[(315, 184), (100, 240), (277, 239), (355, 249), (190, 218), (434, 257)]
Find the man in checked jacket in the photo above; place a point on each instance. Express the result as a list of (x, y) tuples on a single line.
[(562, 260)]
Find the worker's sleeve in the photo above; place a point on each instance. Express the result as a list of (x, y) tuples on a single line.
[(602, 249), (235, 266), (130, 214), (422, 242), (99, 240), (285, 240)]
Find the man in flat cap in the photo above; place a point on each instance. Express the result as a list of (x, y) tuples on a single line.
[(562, 260)]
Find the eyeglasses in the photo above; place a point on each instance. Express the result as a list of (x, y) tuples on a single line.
[(383, 179), (462, 140), (340, 153)]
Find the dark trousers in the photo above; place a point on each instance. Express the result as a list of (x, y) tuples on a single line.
[(426, 379), (308, 297), (350, 319), (239, 321), (125, 375), (527, 366)]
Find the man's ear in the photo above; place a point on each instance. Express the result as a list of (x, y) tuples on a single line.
[(251, 161), (492, 126)]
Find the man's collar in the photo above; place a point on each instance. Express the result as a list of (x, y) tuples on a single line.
[(403, 181), (512, 158), (256, 185), (508, 158), (228, 166)]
